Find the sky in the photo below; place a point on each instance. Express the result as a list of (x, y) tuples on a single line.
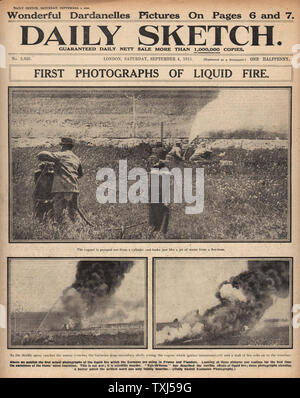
[(184, 285), (35, 284)]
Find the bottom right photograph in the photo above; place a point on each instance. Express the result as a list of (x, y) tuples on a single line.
[(222, 303)]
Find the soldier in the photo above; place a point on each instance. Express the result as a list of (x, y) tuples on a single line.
[(175, 154), (157, 152), (65, 182), (203, 151), (159, 213), (43, 196)]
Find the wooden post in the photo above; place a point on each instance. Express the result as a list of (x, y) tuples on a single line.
[(161, 132), (15, 322), (133, 116), (134, 126)]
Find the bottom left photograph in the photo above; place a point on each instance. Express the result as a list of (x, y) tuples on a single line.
[(77, 302)]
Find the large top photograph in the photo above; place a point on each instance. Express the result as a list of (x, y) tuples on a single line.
[(149, 164)]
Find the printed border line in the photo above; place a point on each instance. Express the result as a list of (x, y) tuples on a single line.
[(10, 198), (100, 347), (223, 80), (166, 347), (158, 54)]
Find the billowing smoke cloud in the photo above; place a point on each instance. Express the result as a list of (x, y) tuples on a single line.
[(74, 306), (117, 311), (243, 301), (188, 327), (95, 284), (244, 109)]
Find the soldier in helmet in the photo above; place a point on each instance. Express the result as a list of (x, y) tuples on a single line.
[(176, 154), (68, 170)]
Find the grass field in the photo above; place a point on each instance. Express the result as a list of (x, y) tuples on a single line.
[(24, 331), (80, 338), (103, 112), (246, 201)]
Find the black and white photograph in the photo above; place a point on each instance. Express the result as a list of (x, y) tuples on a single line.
[(222, 303), (82, 161), (77, 303)]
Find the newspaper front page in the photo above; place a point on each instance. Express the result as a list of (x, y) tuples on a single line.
[(149, 189)]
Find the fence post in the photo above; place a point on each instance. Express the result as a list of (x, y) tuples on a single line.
[(161, 132)]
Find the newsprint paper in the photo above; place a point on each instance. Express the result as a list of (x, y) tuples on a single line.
[(150, 189)]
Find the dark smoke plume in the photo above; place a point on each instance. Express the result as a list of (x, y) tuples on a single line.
[(262, 281), (251, 294), (95, 283), (96, 280)]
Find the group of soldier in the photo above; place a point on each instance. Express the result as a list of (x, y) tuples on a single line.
[(57, 189)]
